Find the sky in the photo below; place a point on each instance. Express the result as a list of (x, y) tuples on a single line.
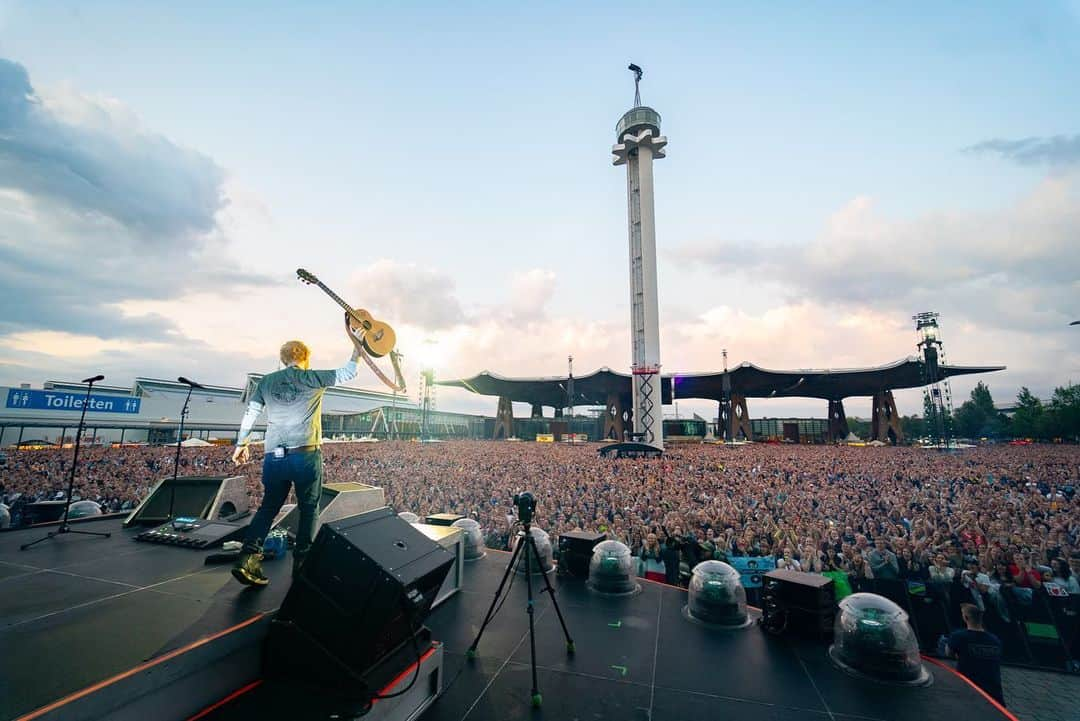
[(832, 169)]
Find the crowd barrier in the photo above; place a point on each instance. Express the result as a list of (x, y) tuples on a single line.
[(1036, 630)]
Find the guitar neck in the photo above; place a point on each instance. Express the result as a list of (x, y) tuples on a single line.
[(337, 299)]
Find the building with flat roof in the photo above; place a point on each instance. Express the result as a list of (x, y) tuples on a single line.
[(149, 410)]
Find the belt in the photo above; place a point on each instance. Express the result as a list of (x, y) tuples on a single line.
[(299, 449)]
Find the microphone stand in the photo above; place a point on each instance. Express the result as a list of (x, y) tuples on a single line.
[(64, 526), (176, 461)]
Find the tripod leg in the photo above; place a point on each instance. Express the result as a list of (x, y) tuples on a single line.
[(51, 534), (471, 652), (91, 533), (551, 592), (530, 549)]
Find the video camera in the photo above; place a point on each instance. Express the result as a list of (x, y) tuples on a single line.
[(526, 506)]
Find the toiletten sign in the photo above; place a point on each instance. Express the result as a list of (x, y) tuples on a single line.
[(60, 401)]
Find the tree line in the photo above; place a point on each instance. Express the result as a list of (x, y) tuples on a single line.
[(1057, 419)]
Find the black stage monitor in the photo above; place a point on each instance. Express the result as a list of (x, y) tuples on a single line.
[(338, 500), (575, 552), (209, 497), (364, 590), (798, 603), (443, 519)]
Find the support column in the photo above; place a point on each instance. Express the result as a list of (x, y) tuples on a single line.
[(614, 418), (504, 419), (537, 411), (885, 426), (838, 425), (738, 420)]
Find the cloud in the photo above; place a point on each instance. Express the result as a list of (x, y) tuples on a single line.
[(404, 293), (92, 158), (1015, 267), (530, 292), (1005, 281), (1055, 151), (96, 210), (37, 356)]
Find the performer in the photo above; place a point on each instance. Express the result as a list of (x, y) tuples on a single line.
[(293, 398)]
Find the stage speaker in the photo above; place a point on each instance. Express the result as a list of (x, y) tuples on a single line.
[(43, 512), (338, 500), (212, 498), (930, 619), (442, 519), (798, 603), (575, 552), (363, 591)]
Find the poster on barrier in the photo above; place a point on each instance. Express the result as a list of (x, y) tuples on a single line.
[(752, 568), (1055, 589)]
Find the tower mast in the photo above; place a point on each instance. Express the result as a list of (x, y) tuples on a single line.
[(637, 143)]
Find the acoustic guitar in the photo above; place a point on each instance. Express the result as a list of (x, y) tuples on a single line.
[(377, 337)]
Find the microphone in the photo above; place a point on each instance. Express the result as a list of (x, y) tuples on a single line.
[(95, 379), (193, 384)]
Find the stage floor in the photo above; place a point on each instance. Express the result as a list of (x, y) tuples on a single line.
[(79, 609)]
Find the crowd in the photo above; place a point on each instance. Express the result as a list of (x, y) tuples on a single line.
[(1002, 514), (116, 478), (995, 516)]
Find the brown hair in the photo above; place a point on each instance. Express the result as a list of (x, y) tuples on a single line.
[(294, 352)]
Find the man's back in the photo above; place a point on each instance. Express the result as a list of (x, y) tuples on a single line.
[(979, 654), (293, 400)]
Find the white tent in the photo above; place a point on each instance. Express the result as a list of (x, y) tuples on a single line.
[(195, 442)]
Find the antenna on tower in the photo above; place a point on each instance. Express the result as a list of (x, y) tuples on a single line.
[(638, 72)]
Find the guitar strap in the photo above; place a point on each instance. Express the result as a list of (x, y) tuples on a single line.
[(397, 385)]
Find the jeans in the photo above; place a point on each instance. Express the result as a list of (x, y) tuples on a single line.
[(305, 472)]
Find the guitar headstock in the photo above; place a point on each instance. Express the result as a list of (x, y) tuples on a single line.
[(306, 276)]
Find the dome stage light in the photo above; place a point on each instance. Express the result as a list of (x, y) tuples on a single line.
[(717, 598), (611, 570), (872, 639)]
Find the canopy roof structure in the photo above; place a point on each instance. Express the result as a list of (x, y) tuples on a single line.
[(751, 381), (746, 379), (589, 390)]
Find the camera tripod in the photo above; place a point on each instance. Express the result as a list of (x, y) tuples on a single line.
[(528, 543)]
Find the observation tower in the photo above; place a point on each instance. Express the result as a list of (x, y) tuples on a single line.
[(637, 143)]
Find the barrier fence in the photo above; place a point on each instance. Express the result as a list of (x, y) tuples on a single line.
[(1036, 629)]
